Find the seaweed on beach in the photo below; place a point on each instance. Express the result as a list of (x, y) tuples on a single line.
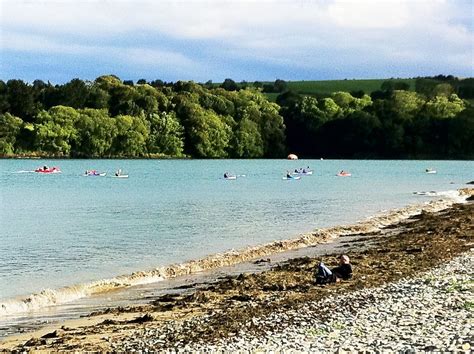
[(222, 308)]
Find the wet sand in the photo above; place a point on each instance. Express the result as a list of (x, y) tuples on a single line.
[(218, 306)]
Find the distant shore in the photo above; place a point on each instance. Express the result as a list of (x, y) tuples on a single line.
[(217, 312)]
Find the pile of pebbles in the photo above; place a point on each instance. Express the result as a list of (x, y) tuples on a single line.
[(432, 312)]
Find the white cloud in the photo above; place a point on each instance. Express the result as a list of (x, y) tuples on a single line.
[(302, 33)]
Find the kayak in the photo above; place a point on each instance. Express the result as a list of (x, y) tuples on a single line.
[(306, 173), (431, 171), (48, 170), (230, 177), (102, 174), (344, 174), (120, 176), (294, 177)]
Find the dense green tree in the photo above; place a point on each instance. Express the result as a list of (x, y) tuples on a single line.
[(248, 140), (98, 98), (74, 94), (166, 135), (21, 100), (55, 130), (461, 134), (440, 107), (229, 85), (407, 104), (280, 85), (9, 129), (4, 105), (96, 132), (132, 136)]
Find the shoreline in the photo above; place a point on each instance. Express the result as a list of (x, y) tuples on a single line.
[(37, 301), (232, 301)]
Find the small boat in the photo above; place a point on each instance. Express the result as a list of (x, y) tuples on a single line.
[(48, 170), (94, 173), (292, 177), (430, 171), (229, 176), (306, 172), (344, 174), (119, 174)]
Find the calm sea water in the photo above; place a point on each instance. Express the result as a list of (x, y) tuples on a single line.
[(64, 229)]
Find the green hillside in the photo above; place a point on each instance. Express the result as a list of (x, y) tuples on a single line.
[(330, 86)]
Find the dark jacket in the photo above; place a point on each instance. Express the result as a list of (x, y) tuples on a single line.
[(344, 271)]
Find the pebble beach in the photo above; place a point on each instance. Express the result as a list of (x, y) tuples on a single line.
[(412, 291), (432, 312)]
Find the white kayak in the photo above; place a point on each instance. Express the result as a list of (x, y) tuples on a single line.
[(431, 171), (294, 177), (120, 176), (303, 173), (103, 174), (230, 177)]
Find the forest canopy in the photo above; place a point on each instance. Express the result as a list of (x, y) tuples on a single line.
[(109, 117)]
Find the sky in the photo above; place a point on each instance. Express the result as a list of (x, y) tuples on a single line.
[(201, 40)]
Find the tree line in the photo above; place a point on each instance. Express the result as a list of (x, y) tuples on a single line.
[(113, 118)]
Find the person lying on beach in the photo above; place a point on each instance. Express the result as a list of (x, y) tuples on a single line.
[(341, 272)]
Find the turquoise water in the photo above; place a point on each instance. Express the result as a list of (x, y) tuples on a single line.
[(64, 229)]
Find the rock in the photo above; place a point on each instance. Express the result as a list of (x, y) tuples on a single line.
[(260, 261), (54, 334), (241, 297), (34, 342), (141, 319)]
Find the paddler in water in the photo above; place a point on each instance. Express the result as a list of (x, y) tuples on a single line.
[(119, 172)]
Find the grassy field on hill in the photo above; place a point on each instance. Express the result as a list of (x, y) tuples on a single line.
[(327, 87), (330, 86)]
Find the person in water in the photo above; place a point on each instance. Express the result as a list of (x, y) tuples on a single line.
[(341, 272)]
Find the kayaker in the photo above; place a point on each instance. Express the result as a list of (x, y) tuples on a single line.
[(118, 173), (288, 175), (226, 175), (45, 168), (325, 275)]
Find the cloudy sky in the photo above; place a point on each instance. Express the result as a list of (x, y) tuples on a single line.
[(202, 40)]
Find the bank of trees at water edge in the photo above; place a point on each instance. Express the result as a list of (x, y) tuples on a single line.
[(114, 118)]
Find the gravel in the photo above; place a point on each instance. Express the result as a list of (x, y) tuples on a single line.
[(431, 312)]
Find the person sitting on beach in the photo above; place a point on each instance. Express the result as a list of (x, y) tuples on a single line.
[(341, 272)]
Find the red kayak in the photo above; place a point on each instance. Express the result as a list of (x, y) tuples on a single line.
[(48, 170), (343, 174)]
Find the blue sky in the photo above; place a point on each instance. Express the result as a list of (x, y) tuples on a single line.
[(201, 40)]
